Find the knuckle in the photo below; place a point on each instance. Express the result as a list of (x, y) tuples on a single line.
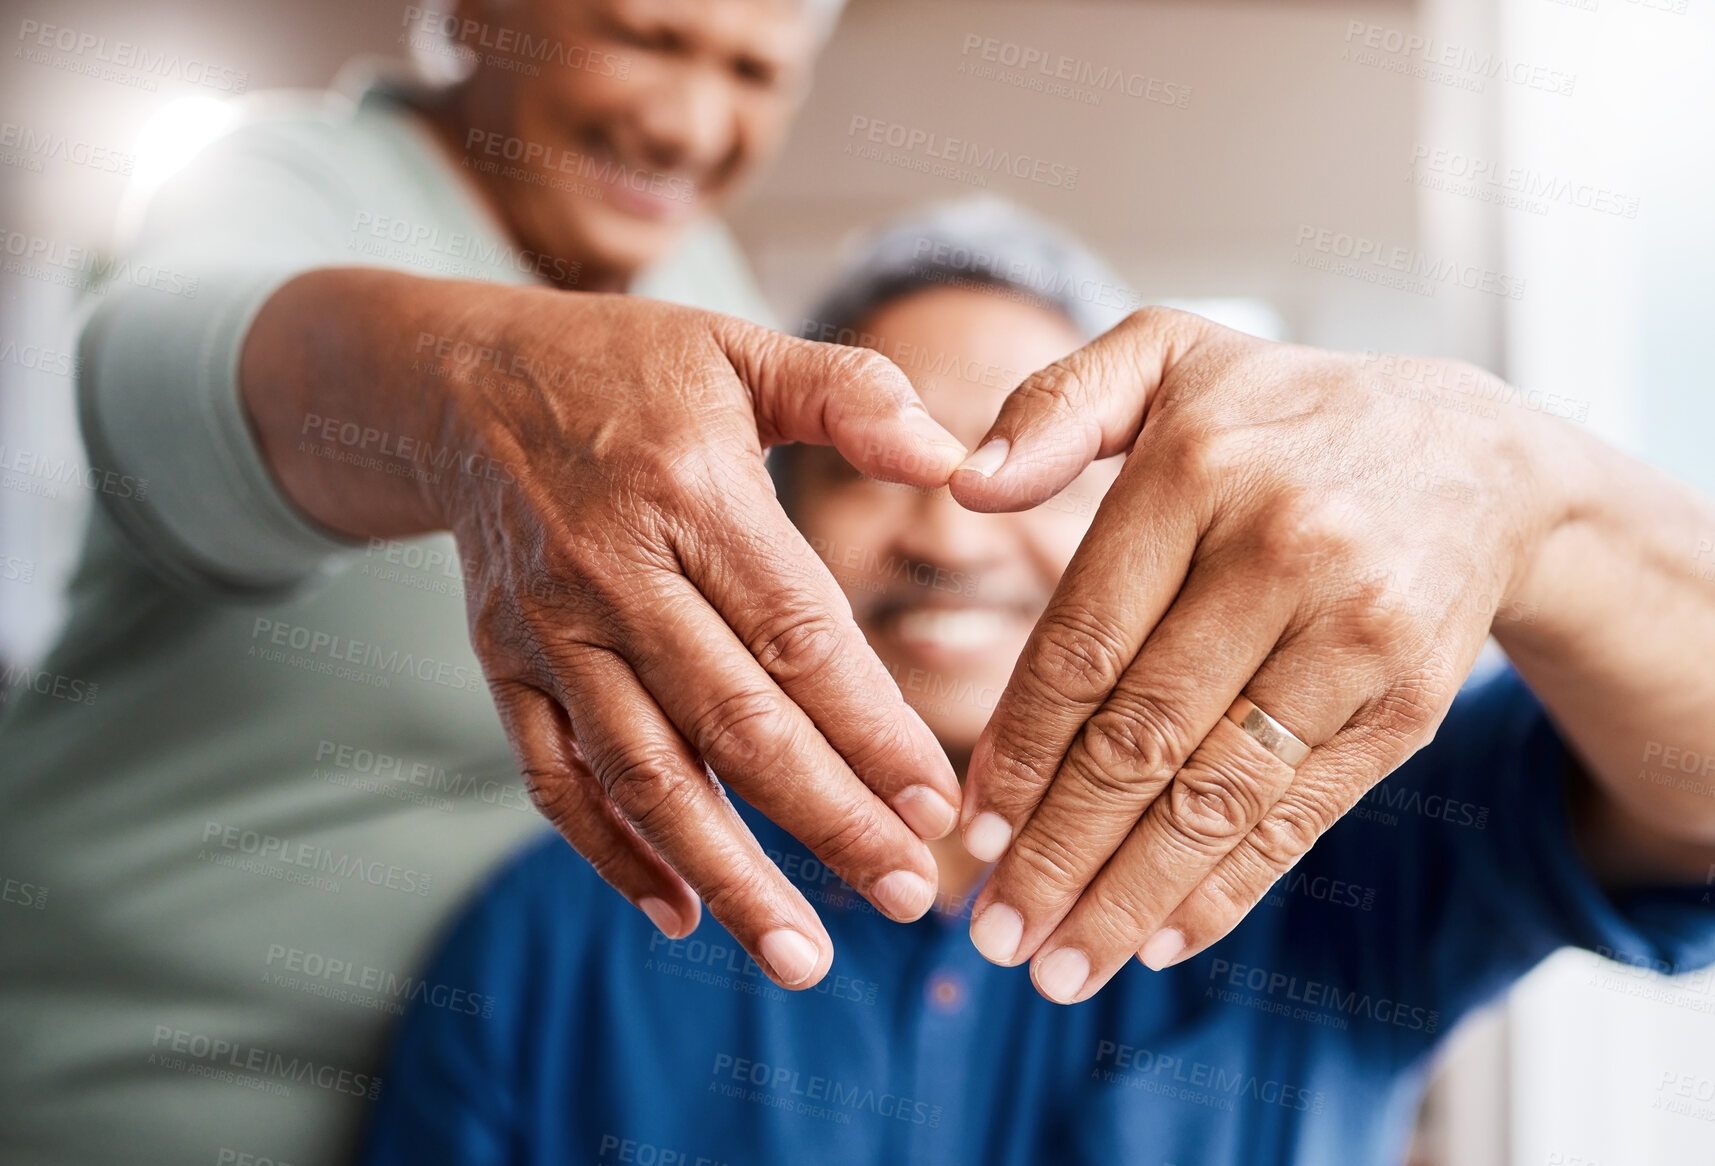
[(1409, 708), (1054, 390), (1375, 614), (1042, 867), (1201, 463), (739, 891), (684, 474), (588, 580), (1015, 777), (797, 645), (863, 365), (1110, 781), (1078, 657), (548, 654), (746, 344), (1218, 452), (846, 843), (1158, 318), (666, 487), (1115, 913), (1381, 628), (495, 613), (1150, 316), (553, 794), (876, 756), (609, 865), (1139, 736), (1295, 529), (1211, 810), (1227, 895), (745, 727), (1206, 458), (1372, 589), (616, 862), (1286, 833), (642, 784)]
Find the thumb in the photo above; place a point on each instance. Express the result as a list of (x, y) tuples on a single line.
[(853, 399), (1085, 406)]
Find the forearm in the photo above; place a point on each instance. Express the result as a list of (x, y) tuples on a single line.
[(1613, 625), (352, 378)]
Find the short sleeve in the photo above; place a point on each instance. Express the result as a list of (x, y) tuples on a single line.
[(158, 398)]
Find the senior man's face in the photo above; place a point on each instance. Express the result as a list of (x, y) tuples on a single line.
[(645, 115), (945, 596)]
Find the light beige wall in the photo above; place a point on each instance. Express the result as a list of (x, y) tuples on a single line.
[(295, 44), (277, 43), (1279, 133)]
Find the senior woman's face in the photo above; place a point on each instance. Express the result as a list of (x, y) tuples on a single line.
[(644, 115), (945, 596)]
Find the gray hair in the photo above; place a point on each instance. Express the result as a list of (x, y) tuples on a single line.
[(440, 60), (981, 242), (984, 243)]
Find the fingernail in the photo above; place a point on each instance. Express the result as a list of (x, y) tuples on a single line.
[(917, 416), (1162, 950), (987, 837), (989, 457), (903, 894), (1061, 975), (928, 814), (666, 920), (996, 933), (791, 956)]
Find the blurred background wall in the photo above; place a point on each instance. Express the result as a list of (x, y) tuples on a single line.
[(1263, 138), (1247, 129), (1253, 130)]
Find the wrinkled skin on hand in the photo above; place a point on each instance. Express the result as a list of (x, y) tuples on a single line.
[(649, 621), (1315, 531)]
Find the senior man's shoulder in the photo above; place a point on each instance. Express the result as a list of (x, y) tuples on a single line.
[(542, 877), (542, 905)]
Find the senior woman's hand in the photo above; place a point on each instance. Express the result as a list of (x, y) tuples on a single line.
[(646, 615), (1326, 536)]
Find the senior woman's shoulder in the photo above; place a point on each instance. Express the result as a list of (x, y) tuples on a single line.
[(350, 138)]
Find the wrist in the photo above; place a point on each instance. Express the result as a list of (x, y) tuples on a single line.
[(362, 431), (471, 357), (1553, 466)]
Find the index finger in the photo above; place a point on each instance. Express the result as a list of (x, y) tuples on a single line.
[(1119, 584), (755, 739), (1124, 575), (1091, 404), (784, 605)]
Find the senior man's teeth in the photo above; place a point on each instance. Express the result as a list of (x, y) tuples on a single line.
[(964, 627)]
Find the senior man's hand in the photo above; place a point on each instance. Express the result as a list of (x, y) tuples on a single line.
[(1328, 536), (647, 617)]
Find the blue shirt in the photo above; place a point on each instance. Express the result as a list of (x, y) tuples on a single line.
[(557, 1026)]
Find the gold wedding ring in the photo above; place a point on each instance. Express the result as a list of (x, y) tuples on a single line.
[(1268, 732)]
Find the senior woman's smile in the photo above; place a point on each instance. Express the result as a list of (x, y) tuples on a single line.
[(678, 103)]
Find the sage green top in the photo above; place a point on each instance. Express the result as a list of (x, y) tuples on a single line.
[(261, 768)]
